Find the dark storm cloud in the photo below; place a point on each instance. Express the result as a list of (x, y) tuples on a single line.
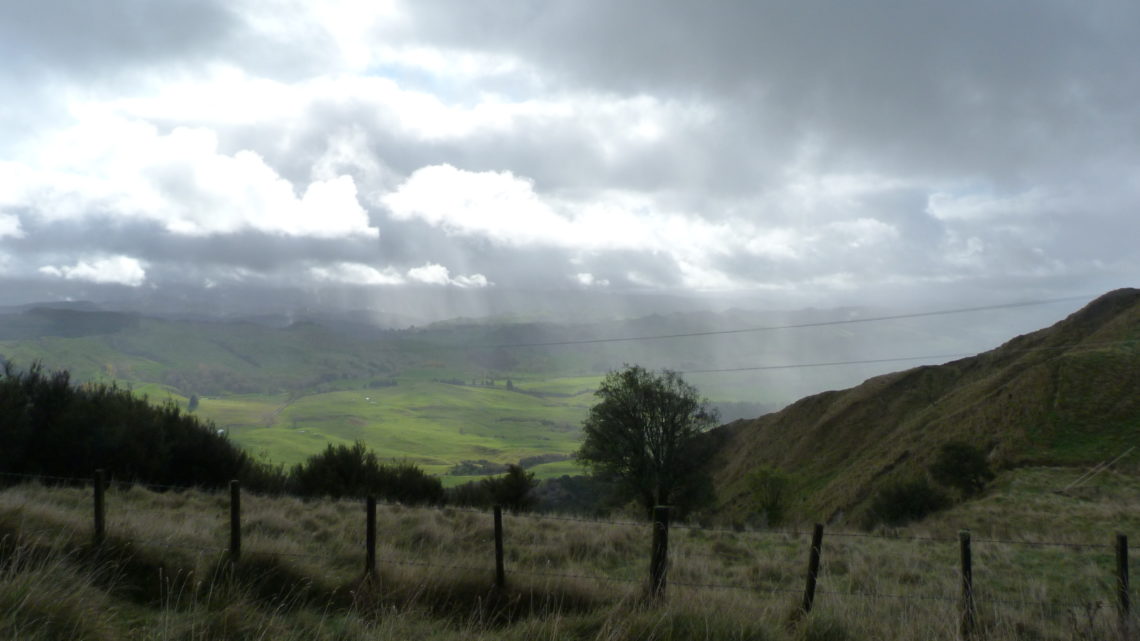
[(970, 87), (75, 37)]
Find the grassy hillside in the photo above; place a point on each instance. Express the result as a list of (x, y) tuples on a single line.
[(163, 574), (1063, 395)]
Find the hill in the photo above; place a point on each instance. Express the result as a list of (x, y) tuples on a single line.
[(284, 386), (1061, 395)]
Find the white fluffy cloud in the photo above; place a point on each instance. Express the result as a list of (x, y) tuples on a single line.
[(356, 274), (507, 210), (10, 226), (434, 274), (119, 270), (121, 169), (427, 274)]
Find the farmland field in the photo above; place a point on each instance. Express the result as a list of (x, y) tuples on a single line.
[(435, 425)]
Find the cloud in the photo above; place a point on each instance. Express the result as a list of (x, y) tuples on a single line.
[(121, 270), (433, 274), (10, 226), (427, 274), (789, 149), (128, 170), (356, 274), (587, 279)]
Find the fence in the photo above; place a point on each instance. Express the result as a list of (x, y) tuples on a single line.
[(661, 560)]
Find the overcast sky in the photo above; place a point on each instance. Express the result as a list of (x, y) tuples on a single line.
[(792, 152)]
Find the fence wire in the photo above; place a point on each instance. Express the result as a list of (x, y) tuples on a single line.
[(679, 552)]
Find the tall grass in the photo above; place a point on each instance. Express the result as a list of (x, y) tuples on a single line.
[(163, 573)]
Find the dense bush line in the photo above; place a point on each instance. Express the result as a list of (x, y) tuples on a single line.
[(342, 471), (50, 427)]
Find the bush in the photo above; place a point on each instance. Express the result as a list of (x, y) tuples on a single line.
[(343, 471), (772, 492), (512, 490), (963, 467), (906, 501), (48, 426)]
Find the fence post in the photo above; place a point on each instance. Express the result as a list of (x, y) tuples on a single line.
[(100, 485), (813, 567), (500, 574), (370, 537), (235, 521), (1123, 602), (659, 560), (969, 609)]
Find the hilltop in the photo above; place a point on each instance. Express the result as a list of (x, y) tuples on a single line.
[(1062, 395)]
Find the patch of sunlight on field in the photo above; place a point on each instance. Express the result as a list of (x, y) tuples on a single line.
[(435, 425), (581, 385), (231, 412)]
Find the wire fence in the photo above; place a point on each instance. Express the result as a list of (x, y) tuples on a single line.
[(709, 558)]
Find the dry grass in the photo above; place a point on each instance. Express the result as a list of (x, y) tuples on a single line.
[(163, 573)]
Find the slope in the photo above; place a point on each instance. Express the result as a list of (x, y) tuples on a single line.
[(1061, 395)]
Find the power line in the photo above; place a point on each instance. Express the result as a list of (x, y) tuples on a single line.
[(768, 328), (904, 358), (825, 364)]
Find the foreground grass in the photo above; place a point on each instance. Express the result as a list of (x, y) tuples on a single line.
[(164, 574)]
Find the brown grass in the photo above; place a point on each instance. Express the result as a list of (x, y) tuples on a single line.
[(163, 573)]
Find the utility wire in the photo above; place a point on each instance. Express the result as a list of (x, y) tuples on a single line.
[(908, 358), (768, 328)]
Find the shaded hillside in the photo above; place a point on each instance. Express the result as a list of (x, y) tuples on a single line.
[(1066, 394)]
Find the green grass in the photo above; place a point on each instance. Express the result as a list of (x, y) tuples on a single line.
[(571, 386), (435, 425), (558, 469)]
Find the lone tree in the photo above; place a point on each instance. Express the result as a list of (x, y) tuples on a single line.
[(644, 433)]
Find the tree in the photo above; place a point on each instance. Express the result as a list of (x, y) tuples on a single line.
[(193, 404), (644, 433), (513, 489), (772, 490), (961, 466)]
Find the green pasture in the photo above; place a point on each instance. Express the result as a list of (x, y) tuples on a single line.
[(435, 425)]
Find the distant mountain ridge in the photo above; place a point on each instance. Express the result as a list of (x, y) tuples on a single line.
[(1066, 394)]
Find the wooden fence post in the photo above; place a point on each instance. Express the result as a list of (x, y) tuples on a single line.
[(969, 609), (100, 485), (500, 574), (659, 560), (813, 568), (235, 521), (1123, 600), (370, 537)]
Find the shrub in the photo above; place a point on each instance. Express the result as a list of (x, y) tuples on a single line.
[(512, 490), (771, 490), (961, 466), (49, 426), (343, 471), (906, 501)]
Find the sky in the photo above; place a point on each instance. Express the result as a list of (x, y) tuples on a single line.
[(785, 153)]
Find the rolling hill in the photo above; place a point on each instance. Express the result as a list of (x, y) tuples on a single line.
[(1064, 395)]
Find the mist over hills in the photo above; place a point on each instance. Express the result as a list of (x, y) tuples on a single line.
[(773, 356), (1065, 394)]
